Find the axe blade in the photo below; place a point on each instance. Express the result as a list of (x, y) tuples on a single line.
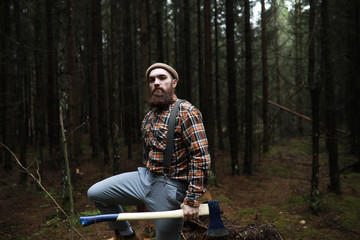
[(216, 227)]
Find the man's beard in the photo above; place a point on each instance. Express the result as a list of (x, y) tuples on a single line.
[(162, 101)]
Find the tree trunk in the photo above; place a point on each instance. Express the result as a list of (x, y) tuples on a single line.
[(265, 79), (167, 34), (200, 57), (94, 86), (127, 74), (7, 89), (231, 78), (298, 59), (180, 66), (315, 193), (115, 80), (136, 116), (159, 30), (74, 81), (40, 90), (145, 53), (52, 99), (102, 84), (176, 33), (21, 83), (70, 59), (208, 116), (353, 78), (315, 100), (217, 81), (330, 104), (277, 64), (187, 53), (248, 94), (69, 203)]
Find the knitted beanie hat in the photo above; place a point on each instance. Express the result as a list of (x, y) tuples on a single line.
[(163, 66)]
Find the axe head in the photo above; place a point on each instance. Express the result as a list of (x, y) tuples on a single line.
[(216, 227)]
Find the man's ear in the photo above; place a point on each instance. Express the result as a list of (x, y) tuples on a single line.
[(174, 83)]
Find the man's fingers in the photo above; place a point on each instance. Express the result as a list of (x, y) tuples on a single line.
[(191, 216), (190, 213)]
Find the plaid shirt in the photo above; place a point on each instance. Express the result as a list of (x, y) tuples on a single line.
[(190, 160)]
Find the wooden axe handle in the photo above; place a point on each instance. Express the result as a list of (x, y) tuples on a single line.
[(88, 220)]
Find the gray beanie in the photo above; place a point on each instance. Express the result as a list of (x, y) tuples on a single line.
[(163, 66)]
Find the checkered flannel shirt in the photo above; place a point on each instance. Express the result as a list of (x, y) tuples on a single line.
[(190, 160)]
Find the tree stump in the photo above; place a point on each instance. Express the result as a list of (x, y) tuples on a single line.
[(197, 231)]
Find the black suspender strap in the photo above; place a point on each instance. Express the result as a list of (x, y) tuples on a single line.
[(170, 138)]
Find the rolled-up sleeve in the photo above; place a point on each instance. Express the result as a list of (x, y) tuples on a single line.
[(198, 152)]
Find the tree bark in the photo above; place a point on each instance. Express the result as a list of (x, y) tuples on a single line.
[(353, 79), (200, 57), (115, 80), (231, 78), (94, 86), (103, 92), (265, 79), (187, 52), (315, 100), (52, 98), (144, 53), (74, 80), (330, 104), (22, 111), (208, 116), (70, 207), (40, 121), (127, 74), (277, 73), (7, 89), (298, 59), (159, 30), (219, 131), (248, 94)]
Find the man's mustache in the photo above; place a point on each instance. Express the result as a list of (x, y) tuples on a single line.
[(158, 88)]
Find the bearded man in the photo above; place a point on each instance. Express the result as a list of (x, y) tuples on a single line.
[(182, 184)]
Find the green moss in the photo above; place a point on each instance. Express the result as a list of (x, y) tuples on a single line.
[(278, 170), (352, 180), (297, 201), (85, 213), (223, 199), (348, 209), (52, 221), (90, 212)]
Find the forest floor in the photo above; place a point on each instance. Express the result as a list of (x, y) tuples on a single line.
[(277, 193)]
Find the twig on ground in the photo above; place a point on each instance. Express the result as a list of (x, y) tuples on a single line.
[(38, 181), (199, 224)]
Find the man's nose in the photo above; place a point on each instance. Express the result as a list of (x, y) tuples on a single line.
[(157, 82)]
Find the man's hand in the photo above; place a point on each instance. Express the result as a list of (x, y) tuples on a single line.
[(190, 213)]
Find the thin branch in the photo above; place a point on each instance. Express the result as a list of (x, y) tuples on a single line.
[(295, 113), (42, 187), (87, 119)]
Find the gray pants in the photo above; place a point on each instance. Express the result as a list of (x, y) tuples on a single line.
[(141, 188)]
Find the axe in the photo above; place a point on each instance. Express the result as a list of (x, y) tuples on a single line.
[(216, 227)]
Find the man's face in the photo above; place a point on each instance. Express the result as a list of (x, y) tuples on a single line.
[(162, 87), (160, 82)]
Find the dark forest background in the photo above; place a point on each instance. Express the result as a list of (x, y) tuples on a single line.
[(259, 71)]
